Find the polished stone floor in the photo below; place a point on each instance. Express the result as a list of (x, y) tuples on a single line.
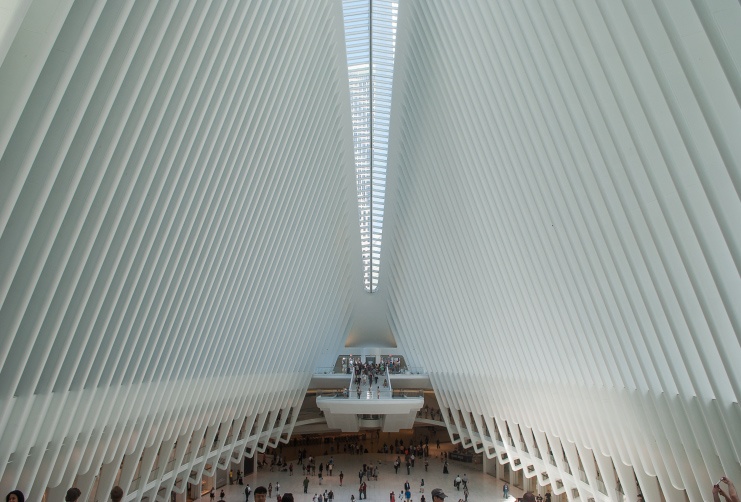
[(482, 487)]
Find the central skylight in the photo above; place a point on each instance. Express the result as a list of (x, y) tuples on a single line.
[(370, 34)]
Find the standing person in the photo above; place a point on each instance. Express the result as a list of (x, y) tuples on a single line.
[(306, 485), (422, 486), (539, 498), (212, 494), (277, 487), (270, 491), (548, 497), (438, 495), (427, 464), (261, 494), (505, 489), (445, 467), (221, 495), (290, 469), (15, 496), (247, 491), (342, 476), (392, 497)]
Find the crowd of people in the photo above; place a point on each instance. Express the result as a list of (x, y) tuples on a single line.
[(73, 495), (393, 364), (368, 473)]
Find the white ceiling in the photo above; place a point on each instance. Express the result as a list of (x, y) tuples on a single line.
[(179, 241)]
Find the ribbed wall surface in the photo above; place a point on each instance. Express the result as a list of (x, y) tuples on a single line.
[(178, 233), (564, 251)]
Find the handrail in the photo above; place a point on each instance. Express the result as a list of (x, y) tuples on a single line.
[(415, 370), (369, 395)]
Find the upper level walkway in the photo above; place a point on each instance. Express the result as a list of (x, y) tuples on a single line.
[(352, 390), (339, 377)]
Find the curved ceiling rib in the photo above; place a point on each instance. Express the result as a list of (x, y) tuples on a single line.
[(564, 252), (177, 209)]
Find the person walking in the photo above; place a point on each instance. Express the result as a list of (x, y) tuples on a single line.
[(247, 491), (422, 486), (306, 485)]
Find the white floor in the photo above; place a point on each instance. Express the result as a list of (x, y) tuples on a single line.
[(481, 487)]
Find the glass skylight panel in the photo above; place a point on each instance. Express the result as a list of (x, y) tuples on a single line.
[(370, 35)]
